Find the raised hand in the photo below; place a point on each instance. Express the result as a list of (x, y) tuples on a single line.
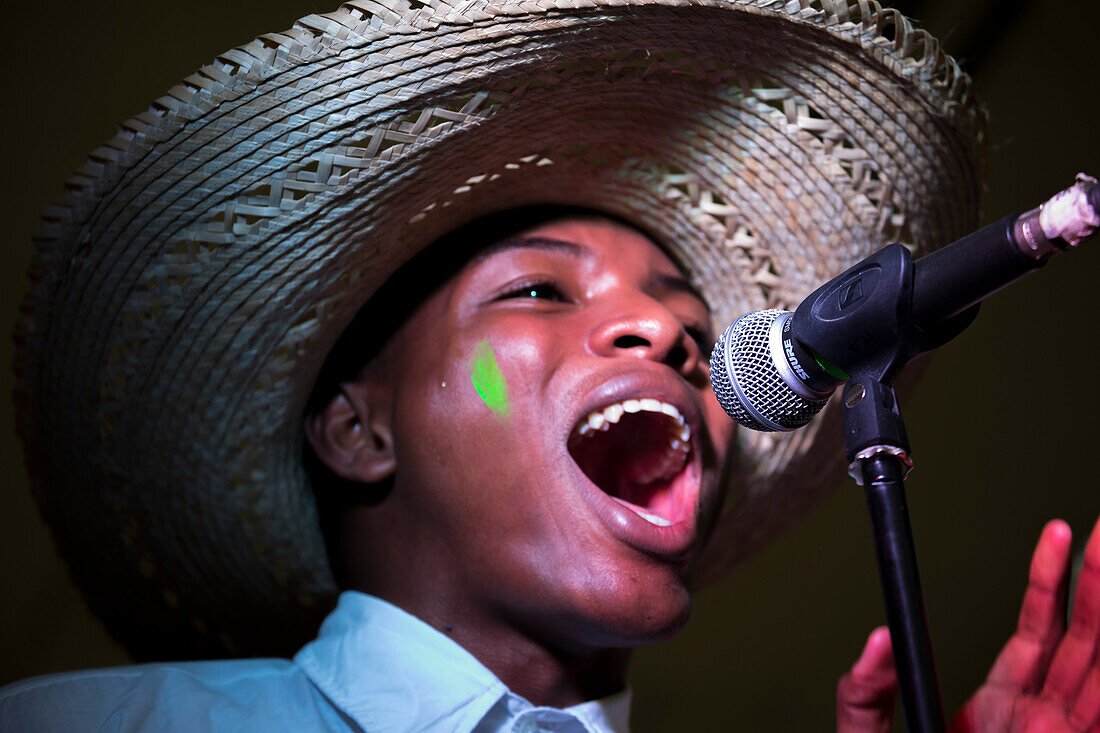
[(1046, 678)]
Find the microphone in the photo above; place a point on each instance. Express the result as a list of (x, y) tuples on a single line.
[(773, 370)]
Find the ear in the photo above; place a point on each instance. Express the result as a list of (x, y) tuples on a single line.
[(352, 434)]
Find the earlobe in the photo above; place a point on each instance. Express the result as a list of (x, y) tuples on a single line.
[(352, 434)]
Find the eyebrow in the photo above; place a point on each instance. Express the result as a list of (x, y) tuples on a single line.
[(676, 283), (546, 244)]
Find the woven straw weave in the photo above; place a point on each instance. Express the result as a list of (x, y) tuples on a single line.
[(202, 262)]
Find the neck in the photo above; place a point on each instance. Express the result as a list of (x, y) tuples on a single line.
[(544, 674), (548, 648)]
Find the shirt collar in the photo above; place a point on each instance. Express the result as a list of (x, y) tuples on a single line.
[(388, 670), (512, 713)]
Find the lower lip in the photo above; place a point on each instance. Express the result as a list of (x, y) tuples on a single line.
[(670, 542)]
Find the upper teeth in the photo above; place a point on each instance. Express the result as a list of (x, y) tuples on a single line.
[(601, 419)]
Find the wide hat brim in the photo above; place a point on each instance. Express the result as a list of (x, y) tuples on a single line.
[(204, 261)]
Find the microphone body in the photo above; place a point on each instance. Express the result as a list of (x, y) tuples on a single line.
[(773, 370)]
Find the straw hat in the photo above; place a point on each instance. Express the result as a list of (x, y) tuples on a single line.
[(203, 262)]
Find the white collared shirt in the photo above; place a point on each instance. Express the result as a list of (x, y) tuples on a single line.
[(373, 667)]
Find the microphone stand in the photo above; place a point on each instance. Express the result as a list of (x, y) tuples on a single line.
[(867, 321), (870, 414), (865, 317)]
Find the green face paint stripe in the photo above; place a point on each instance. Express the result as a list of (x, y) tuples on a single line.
[(488, 379)]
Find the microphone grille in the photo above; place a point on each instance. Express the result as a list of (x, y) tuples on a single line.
[(747, 382)]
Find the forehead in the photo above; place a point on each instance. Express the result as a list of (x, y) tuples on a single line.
[(591, 237), (597, 242)]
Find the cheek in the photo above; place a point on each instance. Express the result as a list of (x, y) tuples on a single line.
[(473, 440), (484, 389), (509, 365), (488, 380)]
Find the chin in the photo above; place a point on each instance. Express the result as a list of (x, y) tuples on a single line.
[(639, 610), (654, 629)]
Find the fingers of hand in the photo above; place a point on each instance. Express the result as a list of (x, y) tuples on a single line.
[(1076, 652), (865, 695), (1085, 714), (1023, 662)]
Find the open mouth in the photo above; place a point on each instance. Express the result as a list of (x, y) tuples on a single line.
[(636, 452)]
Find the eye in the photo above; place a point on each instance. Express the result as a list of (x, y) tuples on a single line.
[(539, 290)]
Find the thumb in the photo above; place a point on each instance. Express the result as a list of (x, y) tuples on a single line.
[(865, 695)]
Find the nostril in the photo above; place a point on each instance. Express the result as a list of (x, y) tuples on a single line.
[(677, 356), (630, 341)]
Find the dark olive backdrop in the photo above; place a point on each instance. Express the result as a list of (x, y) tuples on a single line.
[(1003, 426)]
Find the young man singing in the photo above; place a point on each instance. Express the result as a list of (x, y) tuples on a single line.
[(518, 470)]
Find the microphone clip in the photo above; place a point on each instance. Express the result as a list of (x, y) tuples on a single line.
[(862, 324), (863, 321)]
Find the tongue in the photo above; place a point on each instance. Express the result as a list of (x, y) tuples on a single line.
[(658, 498)]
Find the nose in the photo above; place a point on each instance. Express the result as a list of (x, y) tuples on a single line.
[(641, 327)]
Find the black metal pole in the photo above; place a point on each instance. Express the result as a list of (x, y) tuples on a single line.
[(897, 565)]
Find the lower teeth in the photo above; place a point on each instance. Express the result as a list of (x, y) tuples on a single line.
[(654, 519)]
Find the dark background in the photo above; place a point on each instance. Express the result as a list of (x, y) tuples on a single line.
[(1002, 426)]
